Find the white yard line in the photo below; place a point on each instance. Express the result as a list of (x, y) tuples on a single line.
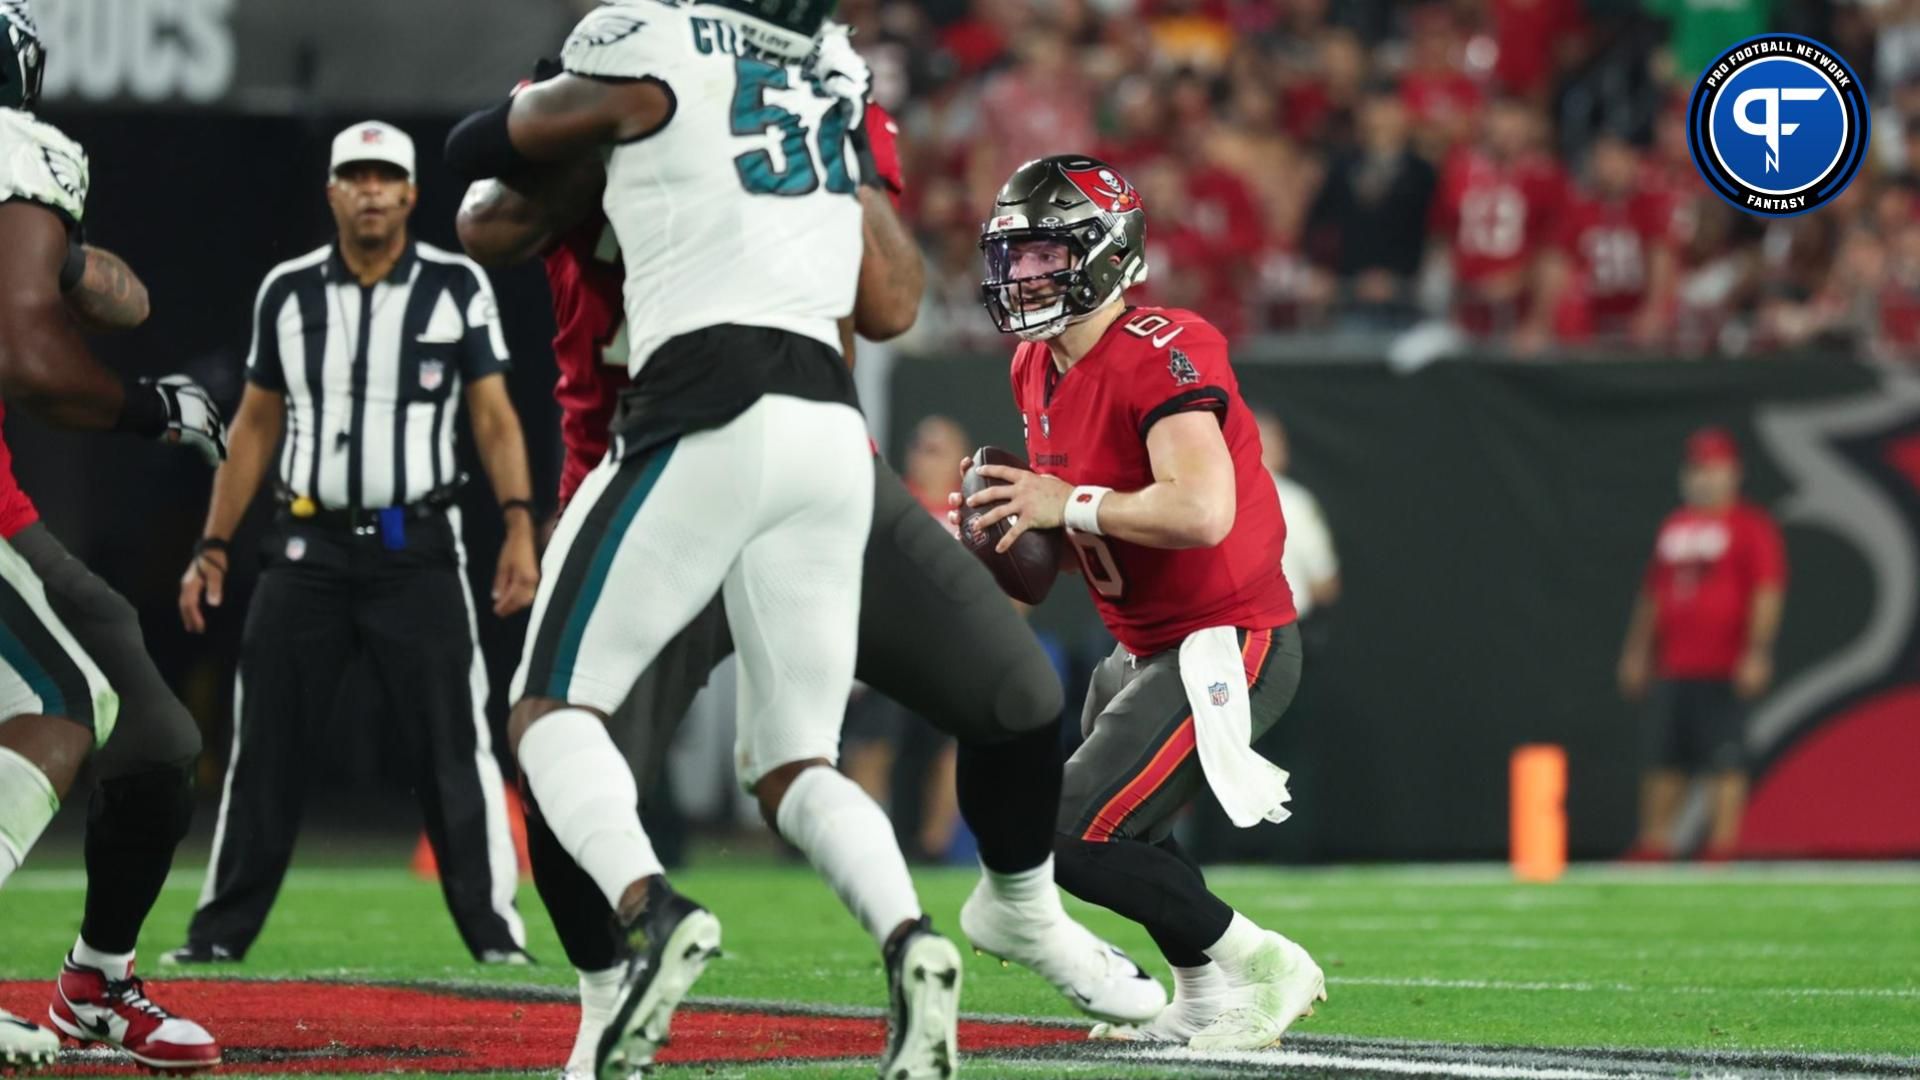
[(1307, 1059), (1481, 875), (1621, 988)]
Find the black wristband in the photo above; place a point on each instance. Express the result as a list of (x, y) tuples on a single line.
[(209, 543), (863, 153), (511, 505), (143, 411), (480, 147), (75, 268)]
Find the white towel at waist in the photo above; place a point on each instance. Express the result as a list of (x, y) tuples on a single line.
[(1250, 788)]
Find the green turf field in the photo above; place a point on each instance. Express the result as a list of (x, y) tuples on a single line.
[(1759, 962)]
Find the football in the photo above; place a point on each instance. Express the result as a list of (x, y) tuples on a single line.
[(1027, 569)]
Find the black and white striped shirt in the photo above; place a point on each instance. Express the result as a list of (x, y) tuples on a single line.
[(372, 374)]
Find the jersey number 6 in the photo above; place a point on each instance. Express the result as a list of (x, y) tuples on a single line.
[(1097, 562), (753, 116)]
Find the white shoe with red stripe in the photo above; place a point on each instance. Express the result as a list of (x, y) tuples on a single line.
[(89, 1007)]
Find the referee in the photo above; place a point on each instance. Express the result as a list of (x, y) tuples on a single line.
[(362, 352)]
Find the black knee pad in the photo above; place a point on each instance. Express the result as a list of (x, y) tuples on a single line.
[(154, 808)]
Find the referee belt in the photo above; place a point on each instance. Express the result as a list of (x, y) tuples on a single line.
[(359, 520)]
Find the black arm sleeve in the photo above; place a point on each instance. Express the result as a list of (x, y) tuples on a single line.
[(480, 147)]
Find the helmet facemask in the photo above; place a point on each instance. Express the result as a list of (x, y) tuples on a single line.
[(1038, 306)]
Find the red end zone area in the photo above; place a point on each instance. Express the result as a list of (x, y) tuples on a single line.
[(315, 1027)]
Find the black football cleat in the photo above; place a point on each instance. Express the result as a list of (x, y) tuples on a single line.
[(673, 940)]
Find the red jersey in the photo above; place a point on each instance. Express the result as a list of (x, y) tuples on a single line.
[(1612, 243), (16, 510), (587, 277), (1705, 569), (1089, 426), (1496, 216)]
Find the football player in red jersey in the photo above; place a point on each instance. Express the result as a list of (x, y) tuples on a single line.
[(1495, 211), (925, 601), (1143, 449), (1610, 276), (75, 677)]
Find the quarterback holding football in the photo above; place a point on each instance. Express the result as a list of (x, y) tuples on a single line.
[(1141, 447)]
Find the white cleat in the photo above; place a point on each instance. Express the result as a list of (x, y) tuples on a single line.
[(1276, 987), (25, 1044), (1098, 978), (1199, 997), (923, 1020)]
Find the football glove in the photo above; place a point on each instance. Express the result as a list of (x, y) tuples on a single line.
[(193, 420), (842, 71)]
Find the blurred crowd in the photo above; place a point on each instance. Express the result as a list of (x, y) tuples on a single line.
[(1518, 168)]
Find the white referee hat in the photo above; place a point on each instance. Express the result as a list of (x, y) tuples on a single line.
[(373, 141)]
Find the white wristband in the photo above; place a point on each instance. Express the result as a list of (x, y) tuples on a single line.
[(1083, 509)]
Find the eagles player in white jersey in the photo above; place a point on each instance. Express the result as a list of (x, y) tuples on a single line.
[(74, 666), (740, 462)]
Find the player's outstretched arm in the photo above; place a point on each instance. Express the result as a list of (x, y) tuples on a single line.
[(498, 226), (110, 296), (893, 277), (557, 120), (45, 366), (501, 224)]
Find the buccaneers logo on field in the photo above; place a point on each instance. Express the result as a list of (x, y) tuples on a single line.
[(1105, 188)]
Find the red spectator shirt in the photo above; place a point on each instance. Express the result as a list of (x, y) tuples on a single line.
[(1705, 569), (587, 277), (16, 510), (1089, 426), (1612, 243), (1440, 96), (1529, 35), (1899, 303), (1496, 216)]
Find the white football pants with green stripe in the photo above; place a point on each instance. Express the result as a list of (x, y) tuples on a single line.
[(771, 509)]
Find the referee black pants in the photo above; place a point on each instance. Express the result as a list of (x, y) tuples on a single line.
[(323, 596)]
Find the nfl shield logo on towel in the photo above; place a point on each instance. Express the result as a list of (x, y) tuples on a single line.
[(1217, 692), (296, 548), (432, 374)]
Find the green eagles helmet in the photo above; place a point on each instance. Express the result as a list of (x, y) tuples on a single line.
[(784, 28), (1071, 200), (23, 59)]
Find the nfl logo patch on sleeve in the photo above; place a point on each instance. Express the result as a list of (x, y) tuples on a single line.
[(1217, 693)]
